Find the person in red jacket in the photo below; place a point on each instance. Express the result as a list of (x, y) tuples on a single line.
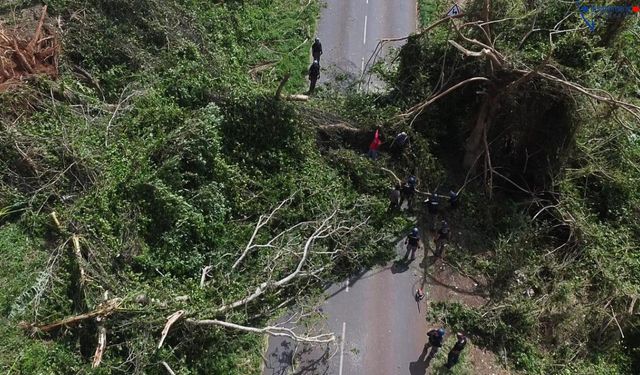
[(374, 146)]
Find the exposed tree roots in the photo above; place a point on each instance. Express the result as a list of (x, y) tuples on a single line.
[(22, 58)]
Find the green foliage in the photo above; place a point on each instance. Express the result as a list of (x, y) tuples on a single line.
[(560, 261)]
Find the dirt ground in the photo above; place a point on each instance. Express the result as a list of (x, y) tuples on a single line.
[(445, 283)]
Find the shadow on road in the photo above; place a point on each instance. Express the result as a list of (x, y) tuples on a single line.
[(281, 360), (419, 367), (400, 266)]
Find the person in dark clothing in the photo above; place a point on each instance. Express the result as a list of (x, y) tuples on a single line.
[(413, 181), (408, 191), (436, 338), (394, 197), (453, 198), (431, 205), (316, 49), (442, 238), (412, 242), (314, 74), (454, 353), (399, 143)]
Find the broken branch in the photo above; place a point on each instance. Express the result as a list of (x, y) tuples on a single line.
[(270, 330), (170, 320), (104, 309)]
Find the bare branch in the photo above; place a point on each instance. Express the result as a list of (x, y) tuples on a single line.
[(631, 108), (281, 86), (417, 109), (102, 338), (166, 367), (170, 320), (485, 52), (270, 330), (262, 221), (104, 309), (205, 273), (102, 343), (323, 230), (79, 260), (115, 112)]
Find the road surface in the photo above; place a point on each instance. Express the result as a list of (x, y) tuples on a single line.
[(350, 30), (381, 328)]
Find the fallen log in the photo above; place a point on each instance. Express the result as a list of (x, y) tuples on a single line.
[(104, 309), (297, 97)]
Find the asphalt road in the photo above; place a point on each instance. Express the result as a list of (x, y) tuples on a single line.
[(350, 30), (381, 328)]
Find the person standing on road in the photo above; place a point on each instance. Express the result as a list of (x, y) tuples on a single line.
[(316, 49), (436, 338), (454, 353), (441, 238), (394, 197), (412, 242), (314, 75)]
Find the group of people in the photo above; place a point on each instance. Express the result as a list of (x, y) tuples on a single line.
[(405, 192), (397, 147), (314, 69), (436, 339)]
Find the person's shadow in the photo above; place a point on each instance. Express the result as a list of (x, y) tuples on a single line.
[(400, 266), (419, 367)]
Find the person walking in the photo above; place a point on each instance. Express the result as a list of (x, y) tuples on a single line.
[(412, 242), (454, 353), (436, 338), (394, 197), (441, 238), (314, 75), (316, 50)]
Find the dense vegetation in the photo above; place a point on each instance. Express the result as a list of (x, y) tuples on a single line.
[(161, 161), (161, 145), (559, 238)]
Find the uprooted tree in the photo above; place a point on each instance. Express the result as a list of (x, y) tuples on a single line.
[(505, 88)]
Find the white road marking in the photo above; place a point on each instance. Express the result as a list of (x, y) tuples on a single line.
[(344, 326), (364, 39)]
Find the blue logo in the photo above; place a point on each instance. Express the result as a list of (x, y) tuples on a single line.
[(589, 13)]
